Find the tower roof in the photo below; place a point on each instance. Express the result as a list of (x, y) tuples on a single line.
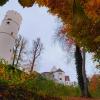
[(15, 16), (53, 69)]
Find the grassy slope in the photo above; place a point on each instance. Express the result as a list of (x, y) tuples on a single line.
[(48, 87), (20, 86), (16, 80)]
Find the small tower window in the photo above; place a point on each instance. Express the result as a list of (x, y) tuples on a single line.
[(10, 50), (8, 22), (11, 33)]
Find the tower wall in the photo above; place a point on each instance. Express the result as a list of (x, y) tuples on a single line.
[(8, 32)]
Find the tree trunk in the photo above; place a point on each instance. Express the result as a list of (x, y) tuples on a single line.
[(32, 65), (14, 57), (13, 62), (86, 91), (17, 62), (78, 61)]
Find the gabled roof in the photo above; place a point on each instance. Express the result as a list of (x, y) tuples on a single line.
[(45, 73), (59, 70)]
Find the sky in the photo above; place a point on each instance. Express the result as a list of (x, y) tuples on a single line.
[(37, 22)]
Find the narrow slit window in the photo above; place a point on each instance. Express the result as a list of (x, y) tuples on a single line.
[(10, 50)]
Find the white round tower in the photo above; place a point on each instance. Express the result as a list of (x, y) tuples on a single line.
[(8, 33)]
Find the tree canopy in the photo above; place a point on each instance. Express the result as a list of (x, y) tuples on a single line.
[(81, 19), (2, 2)]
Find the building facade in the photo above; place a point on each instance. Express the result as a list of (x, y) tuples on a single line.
[(57, 75), (8, 33)]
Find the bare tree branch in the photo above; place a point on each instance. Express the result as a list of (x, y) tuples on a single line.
[(36, 51), (18, 50)]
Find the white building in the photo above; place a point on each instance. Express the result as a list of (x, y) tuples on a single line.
[(8, 32), (57, 75)]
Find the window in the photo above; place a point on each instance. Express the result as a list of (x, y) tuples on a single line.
[(60, 73), (60, 78), (53, 76), (8, 22), (11, 33), (10, 50), (9, 19)]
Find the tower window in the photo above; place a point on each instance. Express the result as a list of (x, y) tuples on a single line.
[(10, 50), (8, 22), (11, 33), (9, 19)]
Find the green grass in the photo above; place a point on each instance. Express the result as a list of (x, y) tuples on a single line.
[(42, 85), (20, 86)]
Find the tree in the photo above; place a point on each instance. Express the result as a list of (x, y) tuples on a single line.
[(79, 55), (36, 51), (82, 16), (19, 50), (2, 2), (78, 63), (80, 68), (86, 90), (95, 82), (15, 49)]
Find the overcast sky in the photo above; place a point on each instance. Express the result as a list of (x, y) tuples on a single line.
[(37, 22)]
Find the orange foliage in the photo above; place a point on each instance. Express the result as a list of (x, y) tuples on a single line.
[(94, 82), (81, 18), (92, 9)]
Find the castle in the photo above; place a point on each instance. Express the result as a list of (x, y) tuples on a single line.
[(57, 75), (8, 33)]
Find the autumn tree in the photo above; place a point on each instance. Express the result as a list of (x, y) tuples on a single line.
[(95, 83), (19, 50), (81, 71), (37, 47), (82, 16), (79, 59)]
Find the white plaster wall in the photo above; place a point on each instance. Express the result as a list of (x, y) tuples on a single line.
[(8, 33), (58, 75), (12, 27), (6, 46)]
